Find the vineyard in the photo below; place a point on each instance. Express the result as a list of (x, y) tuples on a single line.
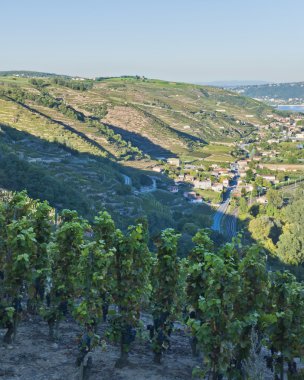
[(100, 287)]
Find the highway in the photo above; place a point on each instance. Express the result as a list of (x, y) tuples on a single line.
[(220, 212), (229, 229), (230, 225)]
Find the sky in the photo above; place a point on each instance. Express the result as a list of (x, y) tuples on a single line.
[(191, 40)]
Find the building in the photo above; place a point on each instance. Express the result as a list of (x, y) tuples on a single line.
[(269, 178), (173, 161), (190, 167), (189, 178), (234, 166), (263, 200), (300, 136), (204, 185), (196, 200), (173, 189), (226, 182), (247, 187), (190, 194), (157, 169), (243, 164), (217, 187)]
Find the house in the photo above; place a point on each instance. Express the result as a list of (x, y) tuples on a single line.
[(173, 189), (269, 178), (273, 141), (190, 167), (221, 171), (157, 169), (242, 164), (190, 194), (226, 182), (173, 161), (189, 178), (217, 187), (262, 200), (196, 200), (234, 166), (247, 187), (204, 185), (214, 173)]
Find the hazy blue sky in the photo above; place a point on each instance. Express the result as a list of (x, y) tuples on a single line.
[(193, 40)]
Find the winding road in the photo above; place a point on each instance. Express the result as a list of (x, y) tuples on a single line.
[(229, 228)]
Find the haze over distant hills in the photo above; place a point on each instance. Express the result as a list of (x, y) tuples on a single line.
[(281, 91), (233, 83)]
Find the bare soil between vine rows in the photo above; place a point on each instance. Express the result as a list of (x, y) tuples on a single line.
[(34, 356)]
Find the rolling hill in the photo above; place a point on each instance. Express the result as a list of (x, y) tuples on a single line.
[(92, 144)]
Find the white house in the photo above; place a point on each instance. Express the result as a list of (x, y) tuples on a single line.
[(157, 169), (226, 182), (173, 161), (270, 178), (204, 185), (217, 187), (196, 200)]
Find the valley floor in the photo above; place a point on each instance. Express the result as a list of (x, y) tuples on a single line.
[(34, 357)]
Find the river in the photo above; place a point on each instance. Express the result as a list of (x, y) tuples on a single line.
[(292, 108)]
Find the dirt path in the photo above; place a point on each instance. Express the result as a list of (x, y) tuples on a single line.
[(34, 357)]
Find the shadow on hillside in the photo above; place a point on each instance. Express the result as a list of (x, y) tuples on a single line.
[(46, 151), (17, 174), (64, 125), (141, 142), (188, 137)]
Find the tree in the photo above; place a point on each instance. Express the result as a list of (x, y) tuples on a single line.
[(165, 276), (249, 175), (253, 300), (243, 206), (104, 232), (131, 269), (92, 283), (17, 249), (65, 253), (274, 198), (290, 247), (17, 269), (285, 321), (260, 228), (42, 227), (197, 276), (218, 326)]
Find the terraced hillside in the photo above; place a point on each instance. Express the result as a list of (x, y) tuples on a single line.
[(93, 145), (175, 116)]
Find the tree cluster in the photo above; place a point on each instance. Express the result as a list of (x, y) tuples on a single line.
[(63, 265)]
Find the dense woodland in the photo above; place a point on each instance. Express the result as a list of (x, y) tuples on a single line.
[(239, 315), (278, 225)]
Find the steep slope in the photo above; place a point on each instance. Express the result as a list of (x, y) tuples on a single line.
[(206, 113), (101, 139)]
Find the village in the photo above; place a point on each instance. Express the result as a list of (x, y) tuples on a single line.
[(260, 165)]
